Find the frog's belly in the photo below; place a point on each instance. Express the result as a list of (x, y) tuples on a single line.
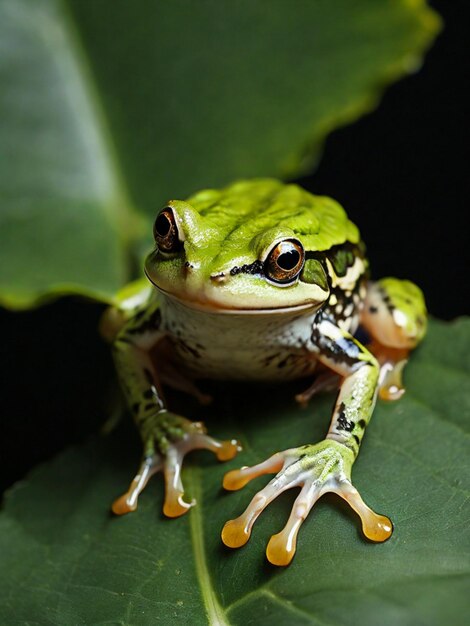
[(206, 361), (269, 346)]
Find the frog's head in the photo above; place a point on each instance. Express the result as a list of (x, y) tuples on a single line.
[(253, 246)]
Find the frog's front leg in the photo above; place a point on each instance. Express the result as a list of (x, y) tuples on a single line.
[(166, 437), (322, 467)]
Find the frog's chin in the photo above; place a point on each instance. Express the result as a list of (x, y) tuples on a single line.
[(210, 306)]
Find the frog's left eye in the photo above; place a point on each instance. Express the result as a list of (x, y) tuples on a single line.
[(165, 231), (285, 261)]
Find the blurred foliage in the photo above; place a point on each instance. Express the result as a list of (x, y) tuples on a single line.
[(107, 109)]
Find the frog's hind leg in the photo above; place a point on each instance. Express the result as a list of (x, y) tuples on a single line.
[(394, 314)]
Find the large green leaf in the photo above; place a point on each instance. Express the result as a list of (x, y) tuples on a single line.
[(112, 106), (65, 560)]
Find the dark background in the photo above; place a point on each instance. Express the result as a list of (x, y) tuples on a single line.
[(401, 173)]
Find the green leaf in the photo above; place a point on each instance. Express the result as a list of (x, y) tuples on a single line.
[(108, 108), (65, 560), (62, 206)]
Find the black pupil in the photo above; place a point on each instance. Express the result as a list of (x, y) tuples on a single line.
[(288, 260), (162, 225)]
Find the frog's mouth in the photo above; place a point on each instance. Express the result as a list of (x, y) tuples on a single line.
[(209, 306)]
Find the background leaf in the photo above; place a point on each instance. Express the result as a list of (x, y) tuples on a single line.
[(109, 108), (65, 560), (62, 208)]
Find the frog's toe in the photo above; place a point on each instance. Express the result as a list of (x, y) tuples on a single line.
[(236, 479), (282, 546), (376, 527), (174, 504), (128, 501), (197, 439)]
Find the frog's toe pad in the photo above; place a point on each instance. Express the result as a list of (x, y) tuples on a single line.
[(128, 501), (391, 384)]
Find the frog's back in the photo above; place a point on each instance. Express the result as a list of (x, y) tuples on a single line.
[(246, 208)]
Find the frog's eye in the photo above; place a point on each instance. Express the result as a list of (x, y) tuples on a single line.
[(165, 231), (285, 261)]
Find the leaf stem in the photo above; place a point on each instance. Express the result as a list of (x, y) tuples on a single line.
[(215, 612)]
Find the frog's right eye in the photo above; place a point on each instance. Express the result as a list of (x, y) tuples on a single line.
[(165, 231)]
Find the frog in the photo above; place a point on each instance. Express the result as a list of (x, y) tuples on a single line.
[(261, 281)]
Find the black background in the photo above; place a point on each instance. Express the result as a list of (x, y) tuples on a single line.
[(401, 173)]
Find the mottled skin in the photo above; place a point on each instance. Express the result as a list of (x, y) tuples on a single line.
[(261, 280)]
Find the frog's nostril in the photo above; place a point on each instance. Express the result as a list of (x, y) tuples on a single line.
[(218, 278)]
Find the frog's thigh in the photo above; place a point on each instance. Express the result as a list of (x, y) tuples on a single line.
[(394, 314)]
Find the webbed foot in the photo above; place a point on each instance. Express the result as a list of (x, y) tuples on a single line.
[(316, 469), (167, 439)]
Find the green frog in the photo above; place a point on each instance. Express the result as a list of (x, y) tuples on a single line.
[(261, 281)]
